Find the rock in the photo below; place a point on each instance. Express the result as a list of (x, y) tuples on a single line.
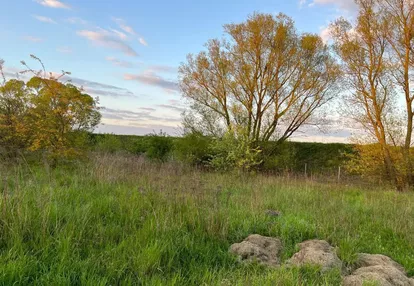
[(273, 213), (382, 275), (316, 252), (378, 269), (366, 260), (265, 250)]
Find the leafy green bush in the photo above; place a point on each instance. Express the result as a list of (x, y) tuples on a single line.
[(193, 148), (109, 143), (231, 152), (279, 157), (160, 147)]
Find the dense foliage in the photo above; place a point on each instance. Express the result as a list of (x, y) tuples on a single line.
[(45, 115)]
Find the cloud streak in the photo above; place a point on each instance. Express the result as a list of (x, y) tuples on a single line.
[(100, 89), (44, 19), (143, 42), (124, 26), (53, 4), (76, 21), (120, 63), (111, 40), (152, 79), (134, 116), (347, 5), (64, 50), (33, 39)]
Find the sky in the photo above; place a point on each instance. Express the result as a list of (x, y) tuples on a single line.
[(127, 52)]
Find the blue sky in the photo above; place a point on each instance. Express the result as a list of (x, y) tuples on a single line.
[(127, 51)]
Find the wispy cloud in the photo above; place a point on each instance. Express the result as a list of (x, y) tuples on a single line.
[(44, 19), (33, 39), (120, 63), (124, 26), (172, 107), (100, 89), (162, 68), (137, 116), (64, 50), (53, 4), (147, 108), (143, 42), (108, 39), (119, 34), (151, 78), (76, 21), (346, 5)]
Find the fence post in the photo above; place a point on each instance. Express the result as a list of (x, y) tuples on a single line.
[(306, 170), (339, 174)]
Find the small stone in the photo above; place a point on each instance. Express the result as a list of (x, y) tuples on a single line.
[(273, 213)]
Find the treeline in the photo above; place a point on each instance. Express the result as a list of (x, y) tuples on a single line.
[(198, 150)]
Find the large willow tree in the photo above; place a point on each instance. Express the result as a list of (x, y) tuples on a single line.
[(264, 78)]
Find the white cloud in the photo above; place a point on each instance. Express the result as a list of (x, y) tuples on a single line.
[(347, 5), (302, 3), (119, 63), (33, 39), (64, 50), (76, 21), (121, 35), (44, 19), (108, 39), (325, 34), (127, 29), (150, 78), (123, 25), (143, 42), (53, 4)]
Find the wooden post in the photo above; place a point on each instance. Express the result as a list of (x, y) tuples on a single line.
[(306, 170), (339, 174)]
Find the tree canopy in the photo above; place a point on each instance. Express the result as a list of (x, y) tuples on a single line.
[(264, 78)]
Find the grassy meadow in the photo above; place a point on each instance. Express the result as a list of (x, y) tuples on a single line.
[(121, 220)]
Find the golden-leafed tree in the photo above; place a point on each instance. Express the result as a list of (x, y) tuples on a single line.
[(399, 31), (45, 114), (13, 111), (59, 116), (264, 78), (377, 59)]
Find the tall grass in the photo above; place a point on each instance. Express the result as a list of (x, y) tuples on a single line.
[(120, 220)]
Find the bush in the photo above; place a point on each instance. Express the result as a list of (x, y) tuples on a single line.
[(231, 152), (193, 148), (160, 147), (109, 143)]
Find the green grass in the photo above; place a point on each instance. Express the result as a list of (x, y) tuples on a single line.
[(123, 221)]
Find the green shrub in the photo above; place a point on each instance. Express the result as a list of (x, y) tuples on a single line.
[(231, 152), (193, 148), (110, 143), (160, 147)]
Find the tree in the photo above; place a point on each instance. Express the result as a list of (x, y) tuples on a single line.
[(265, 79), (45, 114), (13, 110), (399, 17), (376, 60), (60, 115)]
